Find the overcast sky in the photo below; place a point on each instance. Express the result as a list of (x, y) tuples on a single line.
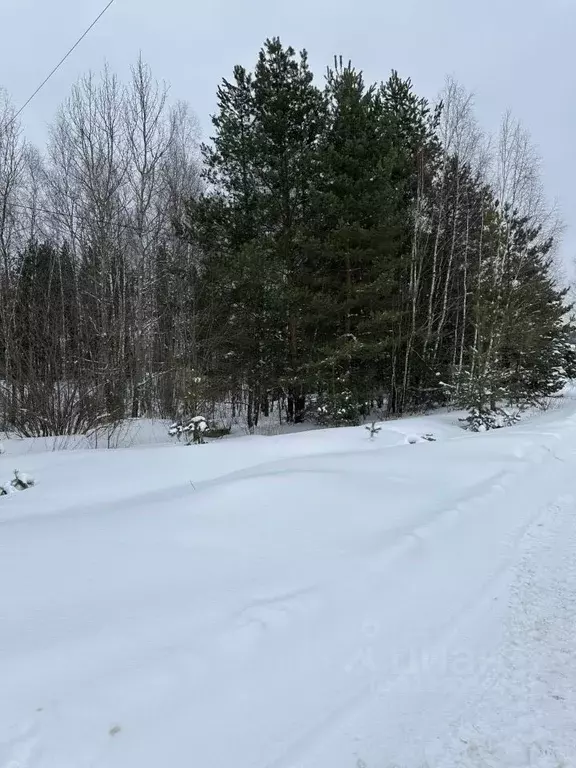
[(516, 54)]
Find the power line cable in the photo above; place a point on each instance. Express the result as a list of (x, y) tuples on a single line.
[(62, 60)]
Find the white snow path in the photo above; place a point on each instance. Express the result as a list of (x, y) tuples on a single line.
[(526, 714), (317, 601)]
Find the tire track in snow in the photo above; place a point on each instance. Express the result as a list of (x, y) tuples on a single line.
[(418, 663), (253, 623), (300, 754), (409, 540), (526, 712), (303, 751)]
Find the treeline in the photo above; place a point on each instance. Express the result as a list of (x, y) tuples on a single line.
[(361, 247), (96, 290), (334, 250)]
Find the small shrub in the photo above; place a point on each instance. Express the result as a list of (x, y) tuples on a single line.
[(339, 410), (483, 421), (216, 433), (373, 430), (193, 430), (21, 482)]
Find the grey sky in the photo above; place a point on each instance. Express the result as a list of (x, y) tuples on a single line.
[(510, 53)]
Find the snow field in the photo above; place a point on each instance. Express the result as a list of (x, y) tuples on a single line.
[(310, 600)]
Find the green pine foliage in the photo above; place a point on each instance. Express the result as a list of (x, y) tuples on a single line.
[(349, 260), (345, 250)]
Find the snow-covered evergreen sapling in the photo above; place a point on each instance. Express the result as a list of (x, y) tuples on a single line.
[(22, 480), (193, 429), (176, 429), (199, 426), (478, 421), (373, 430)]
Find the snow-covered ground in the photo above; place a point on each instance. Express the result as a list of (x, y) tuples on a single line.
[(315, 600)]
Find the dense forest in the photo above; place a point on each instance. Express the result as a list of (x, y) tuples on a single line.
[(333, 250)]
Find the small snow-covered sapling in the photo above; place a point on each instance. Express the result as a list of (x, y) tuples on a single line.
[(176, 430), (199, 426), (22, 480), (193, 429), (373, 430)]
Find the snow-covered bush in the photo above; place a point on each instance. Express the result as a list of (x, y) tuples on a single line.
[(192, 429), (20, 482), (483, 421), (481, 394), (340, 409), (527, 367)]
